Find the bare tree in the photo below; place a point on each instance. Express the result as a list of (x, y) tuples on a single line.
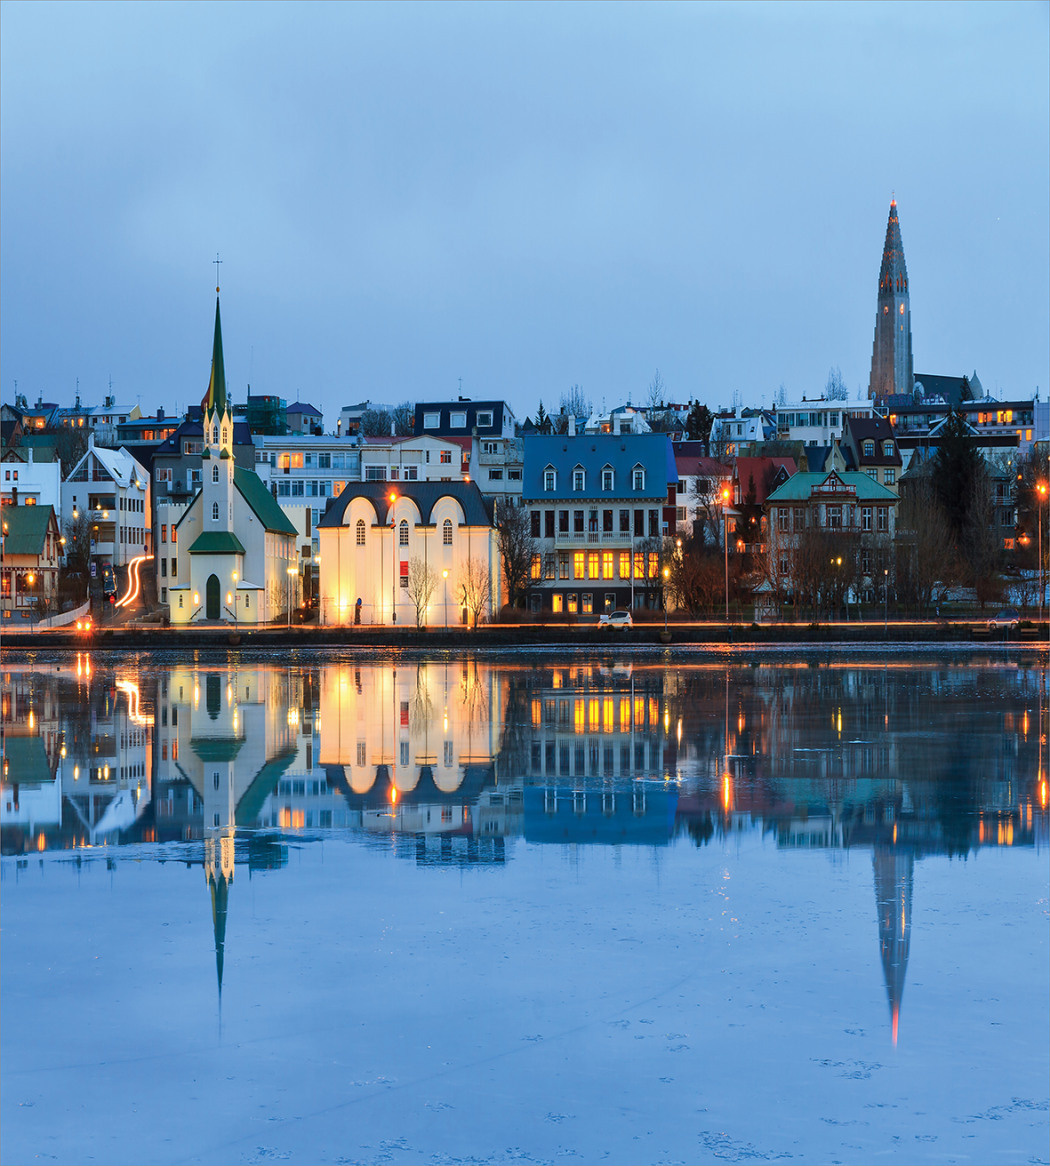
[(926, 557), (473, 586), (575, 403), (404, 419), (516, 547), (422, 582), (656, 392), (835, 387), (376, 423)]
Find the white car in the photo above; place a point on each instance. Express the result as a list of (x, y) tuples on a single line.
[(615, 619)]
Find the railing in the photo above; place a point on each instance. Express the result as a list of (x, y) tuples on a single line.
[(592, 538)]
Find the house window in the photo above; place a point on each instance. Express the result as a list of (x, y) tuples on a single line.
[(215, 512), (446, 457), (174, 568), (625, 522), (563, 566), (402, 534), (563, 521), (571, 603), (536, 570), (375, 473), (593, 565), (556, 603), (360, 532), (550, 478), (588, 603), (578, 478), (607, 564), (577, 521), (833, 516), (865, 518), (534, 528), (578, 565), (625, 564), (869, 448), (887, 448), (431, 420), (457, 421), (163, 532), (548, 565), (889, 476), (446, 533), (638, 478), (548, 524), (654, 565), (514, 475), (607, 478), (882, 519), (782, 518), (483, 420), (495, 475)]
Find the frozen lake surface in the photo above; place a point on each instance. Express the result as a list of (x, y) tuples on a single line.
[(467, 910)]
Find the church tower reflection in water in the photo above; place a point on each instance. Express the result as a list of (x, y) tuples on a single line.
[(894, 874)]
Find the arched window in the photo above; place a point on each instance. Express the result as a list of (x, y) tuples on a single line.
[(446, 532), (215, 512), (360, 532), (638, 478), (225, 435), (869, 448), (215, 473), (402, 533)]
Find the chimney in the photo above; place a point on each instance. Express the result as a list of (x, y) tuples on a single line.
[(572, 424), (160, 412), (616, 425)]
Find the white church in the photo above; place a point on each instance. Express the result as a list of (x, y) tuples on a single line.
[(234, 546)]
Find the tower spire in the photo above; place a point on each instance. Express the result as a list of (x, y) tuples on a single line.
[(891, 355), (214, 400)]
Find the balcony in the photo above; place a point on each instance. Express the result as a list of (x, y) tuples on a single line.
[(593, 538)]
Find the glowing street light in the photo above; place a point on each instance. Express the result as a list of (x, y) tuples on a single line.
[(667, 575), (1041, 490), (726, 494), (444, 575), (393, 558)]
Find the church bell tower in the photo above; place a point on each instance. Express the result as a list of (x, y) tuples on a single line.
[(891, 359)]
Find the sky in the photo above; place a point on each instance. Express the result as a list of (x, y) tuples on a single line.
[(413, 202)]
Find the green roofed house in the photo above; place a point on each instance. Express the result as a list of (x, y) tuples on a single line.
[(830, 538), (31, 553)]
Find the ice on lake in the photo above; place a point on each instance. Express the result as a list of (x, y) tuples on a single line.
[(644, 909)]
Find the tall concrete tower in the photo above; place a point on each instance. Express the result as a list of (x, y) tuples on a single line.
[(891, 361)]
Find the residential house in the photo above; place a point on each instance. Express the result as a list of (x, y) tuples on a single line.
[(422, 458), (112, 491), (871, 447), (31, 554), (401, 554), (740, 431), (462, 417), (699, 493), (304, 418), (497, 465), (817, 420), (101, 420), (32, 477), (829, 535), (600, 506)]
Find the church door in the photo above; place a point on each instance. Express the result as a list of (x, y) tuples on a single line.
[(211, 595)]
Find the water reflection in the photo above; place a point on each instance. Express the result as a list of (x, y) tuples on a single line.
[(451, 761)]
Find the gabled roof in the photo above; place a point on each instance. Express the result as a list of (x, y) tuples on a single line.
[(26, 529), (217, 542), (118, 463), (764, 472), (800, 486), (172, 446), (593, 452), (477, 510), (303, 407), (262, 502)]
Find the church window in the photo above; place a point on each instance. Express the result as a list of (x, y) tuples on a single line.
[(215, 512), (902, 309), (402, 534), (215, 473), (225, 435), (360, 532), (446, 532)]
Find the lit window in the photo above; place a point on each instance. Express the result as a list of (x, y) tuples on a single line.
[(446, 533), (360, 532), (536, 569), (402, 534)]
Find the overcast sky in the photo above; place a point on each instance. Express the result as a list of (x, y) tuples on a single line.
[(519, 196)]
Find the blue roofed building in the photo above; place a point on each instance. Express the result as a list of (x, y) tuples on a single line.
[(600, 506)]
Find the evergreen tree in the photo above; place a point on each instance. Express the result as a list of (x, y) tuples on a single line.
[(698, 422), (957, 472)]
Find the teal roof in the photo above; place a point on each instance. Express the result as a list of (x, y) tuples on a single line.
[(263, 784), (800, 486), (26, 529), (262, 502), (217, 542), (216, 748), (25, 761)]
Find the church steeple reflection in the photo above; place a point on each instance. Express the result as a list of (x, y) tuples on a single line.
[(894, 876)]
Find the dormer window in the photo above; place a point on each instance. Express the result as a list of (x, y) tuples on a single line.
[(638, 478), (484, 420), (887, 448), (458, 421), (579, 479), (431, 420), (869, 448), (550, 479), (607, 478)]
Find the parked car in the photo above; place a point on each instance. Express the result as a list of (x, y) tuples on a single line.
[(615, 619), (1006, 619)]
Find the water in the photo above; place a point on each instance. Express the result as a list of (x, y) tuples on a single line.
[(323, 908)]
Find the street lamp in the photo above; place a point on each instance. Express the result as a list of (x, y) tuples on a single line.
[(235, 597), (444, 575), (1041, 490), (667, 574), (725, 541), (885, 598), (393, 560), (290, 572)]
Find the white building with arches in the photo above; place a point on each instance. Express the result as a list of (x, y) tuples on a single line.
[(408, 553)]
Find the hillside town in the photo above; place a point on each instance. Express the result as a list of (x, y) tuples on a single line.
[(921, 493)]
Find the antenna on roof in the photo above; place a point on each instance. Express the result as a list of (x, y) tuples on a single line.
[(216, 261)]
